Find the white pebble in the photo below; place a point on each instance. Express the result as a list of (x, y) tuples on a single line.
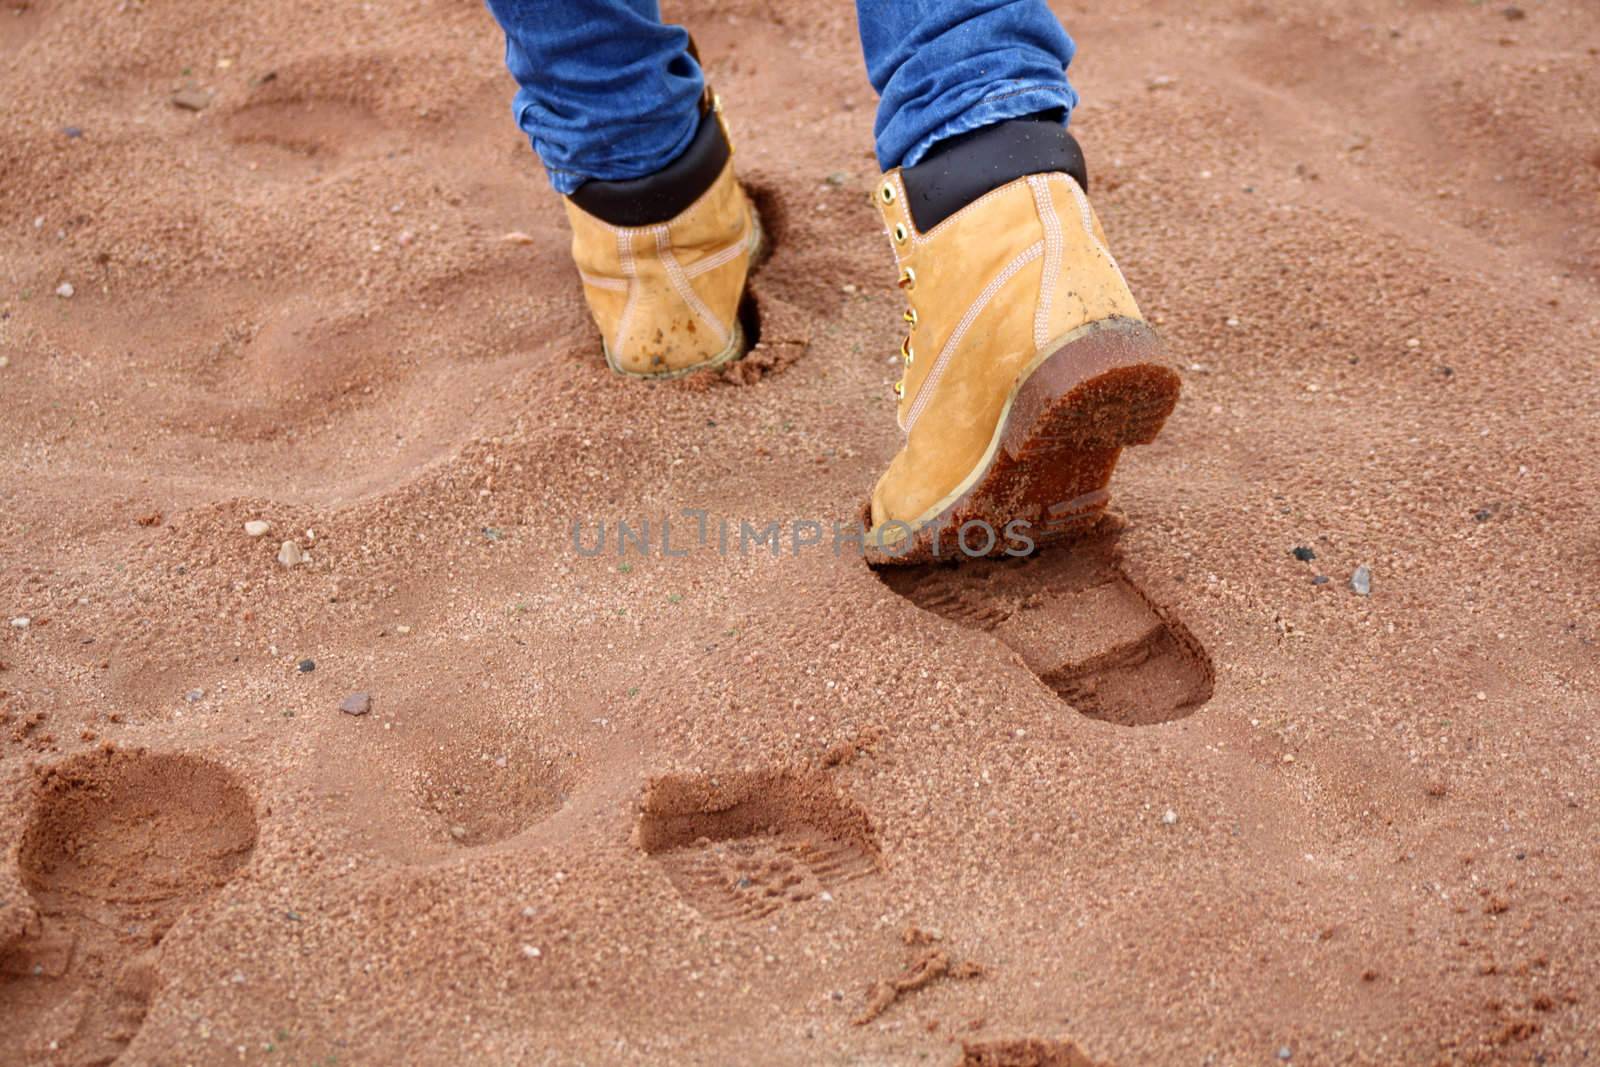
[(21, 622), (290, 555), (65, 290), (1169, 817), (257, 527), (531, 951)]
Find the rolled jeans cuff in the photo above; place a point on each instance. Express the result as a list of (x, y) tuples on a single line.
[(1013, 100)]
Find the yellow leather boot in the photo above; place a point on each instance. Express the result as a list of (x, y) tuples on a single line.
[(1027, 366), (664, 260)]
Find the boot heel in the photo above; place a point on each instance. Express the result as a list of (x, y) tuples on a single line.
[(1090, 394), (1104, 387), (1099, 390)]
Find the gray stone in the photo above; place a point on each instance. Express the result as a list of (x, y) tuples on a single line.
[(1361, 580), (191, 99)]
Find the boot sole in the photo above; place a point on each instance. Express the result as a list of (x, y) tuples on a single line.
[(1083, 398), (736, 345)]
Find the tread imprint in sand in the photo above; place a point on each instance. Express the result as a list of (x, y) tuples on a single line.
[(742, 845), (119, 845), (1025, 1052), (1079, 623)]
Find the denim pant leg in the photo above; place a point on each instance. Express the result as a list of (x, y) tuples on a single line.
[(606, 91), (945, 67)]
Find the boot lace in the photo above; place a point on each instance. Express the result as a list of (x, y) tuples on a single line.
[(908, 355)]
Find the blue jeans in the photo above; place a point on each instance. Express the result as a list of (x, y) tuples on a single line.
[(609, 92)]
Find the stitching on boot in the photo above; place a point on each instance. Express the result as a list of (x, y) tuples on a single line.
[(681, 284), (616, 285), (625, 253), (923, 238), (1052, 257), (925, 393), (718, 258)]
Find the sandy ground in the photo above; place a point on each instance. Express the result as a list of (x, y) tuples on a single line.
[(1164, 798)]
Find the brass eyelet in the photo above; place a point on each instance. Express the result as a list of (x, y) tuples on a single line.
[(911, 316), (908, 278), (900, 233), (886, 193), (905, 351), (900, 388)]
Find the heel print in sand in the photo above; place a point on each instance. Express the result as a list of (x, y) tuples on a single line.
[(1079, 623)]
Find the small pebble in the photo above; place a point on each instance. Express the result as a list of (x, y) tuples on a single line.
[(191, 99), (531, 951), (402, 629), (458, 832), (290, 554), (21, 622), (1169, 817), (1361, 580), (72, 132), (517, 237), (194, 696), (65, 290), (1304, 554), (5, 361), (356, 704), (257, 527), (1321, 579), (1285, 1053), (306, 666)]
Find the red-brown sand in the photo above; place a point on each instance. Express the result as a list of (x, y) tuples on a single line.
[(1160, 798)]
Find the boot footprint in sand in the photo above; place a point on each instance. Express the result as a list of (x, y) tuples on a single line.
[(664, 259), (1027, 366)]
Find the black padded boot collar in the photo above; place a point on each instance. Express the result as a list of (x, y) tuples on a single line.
[(958, 171), (668, 192)]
